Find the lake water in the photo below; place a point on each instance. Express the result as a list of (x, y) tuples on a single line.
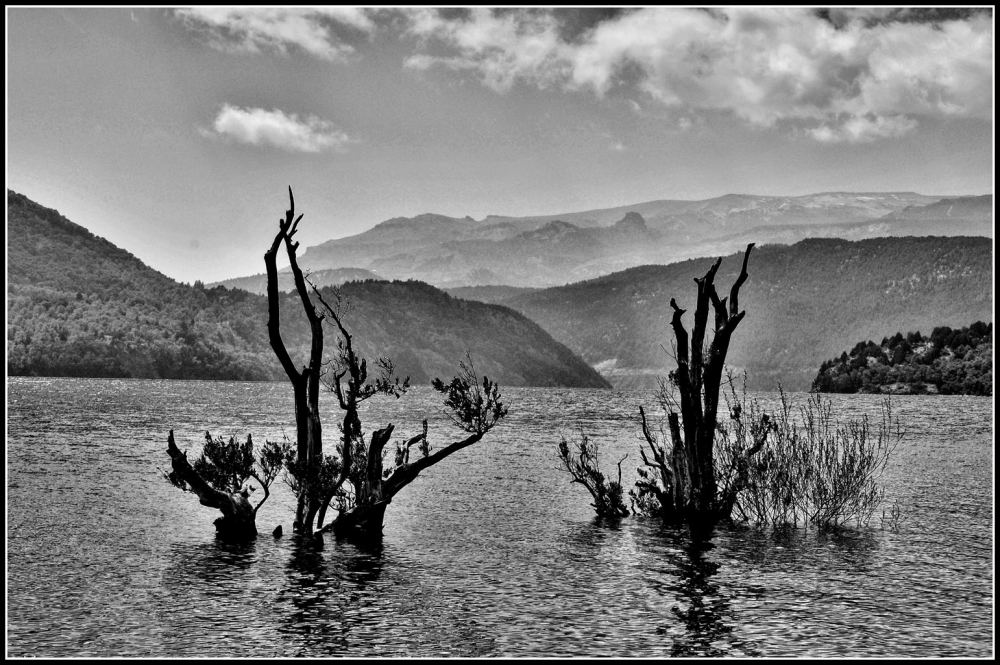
[(491, 553)]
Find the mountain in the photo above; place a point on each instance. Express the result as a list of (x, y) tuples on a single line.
[(973, 208), (320, 278), (805, 303), (461, 252), (551, 250), (79, 306), (948, 362), (496, 295)]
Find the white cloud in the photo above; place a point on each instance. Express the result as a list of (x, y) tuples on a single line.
[(864, 129), (502, 49), (276, 129), (253, 29), (857, 81)]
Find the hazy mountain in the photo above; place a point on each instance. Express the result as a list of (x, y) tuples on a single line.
[(79, 306), (805, 303), (320, 278), (559, 249), (978, 208)]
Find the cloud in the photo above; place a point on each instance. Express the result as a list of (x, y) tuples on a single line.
[(276, 129), (254, 29), (502, 48), (862, 129), (856, 76)]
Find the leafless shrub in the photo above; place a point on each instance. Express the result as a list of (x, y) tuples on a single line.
[(813, 470)]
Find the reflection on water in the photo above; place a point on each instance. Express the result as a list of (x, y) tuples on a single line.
[(328, 595), (490, 554), (704, 610)]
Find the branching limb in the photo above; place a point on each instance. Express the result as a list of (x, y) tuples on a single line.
[(236, 510)]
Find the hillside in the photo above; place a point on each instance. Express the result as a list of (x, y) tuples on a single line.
[(79, 306), (320, 278), (497, 295), (804, 302), (948, 362), (552, 250)]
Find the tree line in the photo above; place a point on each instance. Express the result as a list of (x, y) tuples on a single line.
[(949, 361)]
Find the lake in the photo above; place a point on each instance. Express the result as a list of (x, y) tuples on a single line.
[(491, 553)]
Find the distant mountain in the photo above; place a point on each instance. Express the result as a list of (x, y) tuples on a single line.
[(320, 278), (551, 250), (972, 208), (461, 252), (948, 362), (805, 303), (79, 306)]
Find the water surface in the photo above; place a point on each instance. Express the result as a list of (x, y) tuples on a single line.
[(491, 553)]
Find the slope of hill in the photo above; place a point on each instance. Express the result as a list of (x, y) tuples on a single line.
[(551, 250), (495, 295), (804, 303), (949, 362), (320, 278), (79, 306)]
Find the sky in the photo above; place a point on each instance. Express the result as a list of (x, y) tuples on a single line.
[(175, 133)]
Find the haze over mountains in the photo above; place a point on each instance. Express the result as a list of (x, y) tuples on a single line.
[(77, 305), (552, 250)]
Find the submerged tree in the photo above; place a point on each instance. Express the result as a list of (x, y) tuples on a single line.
[(584, 467), (355, 478), (219, 478), (679, 483), (753, 465)]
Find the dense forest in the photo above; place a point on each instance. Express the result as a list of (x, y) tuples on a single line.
[(805, 303), (949, 362), (79, 306)]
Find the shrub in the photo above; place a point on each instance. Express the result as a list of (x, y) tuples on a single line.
[(812, 469)]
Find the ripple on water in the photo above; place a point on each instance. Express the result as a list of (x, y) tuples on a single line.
[(490, 554)]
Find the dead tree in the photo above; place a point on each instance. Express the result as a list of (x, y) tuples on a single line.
[(679, 483), (355, 478), (309, 460), (474, 407)]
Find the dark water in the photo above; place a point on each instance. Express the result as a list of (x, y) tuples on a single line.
[(490, 553)]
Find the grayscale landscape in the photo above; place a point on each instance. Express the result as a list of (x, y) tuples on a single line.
[(500, 333)]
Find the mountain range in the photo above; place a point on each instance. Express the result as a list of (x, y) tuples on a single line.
[(805, 303), (77, 305), (552, 250)]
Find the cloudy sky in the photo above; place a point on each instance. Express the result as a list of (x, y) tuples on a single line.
[(174, 133)]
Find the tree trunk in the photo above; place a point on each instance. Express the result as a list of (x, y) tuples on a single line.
[(365, 519), (305, 384), (688, 472), (361, 522), (238, 515)]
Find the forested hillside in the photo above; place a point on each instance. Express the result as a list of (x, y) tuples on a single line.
[(320, 278), (805, 303), (949, 362), (79, 306)]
